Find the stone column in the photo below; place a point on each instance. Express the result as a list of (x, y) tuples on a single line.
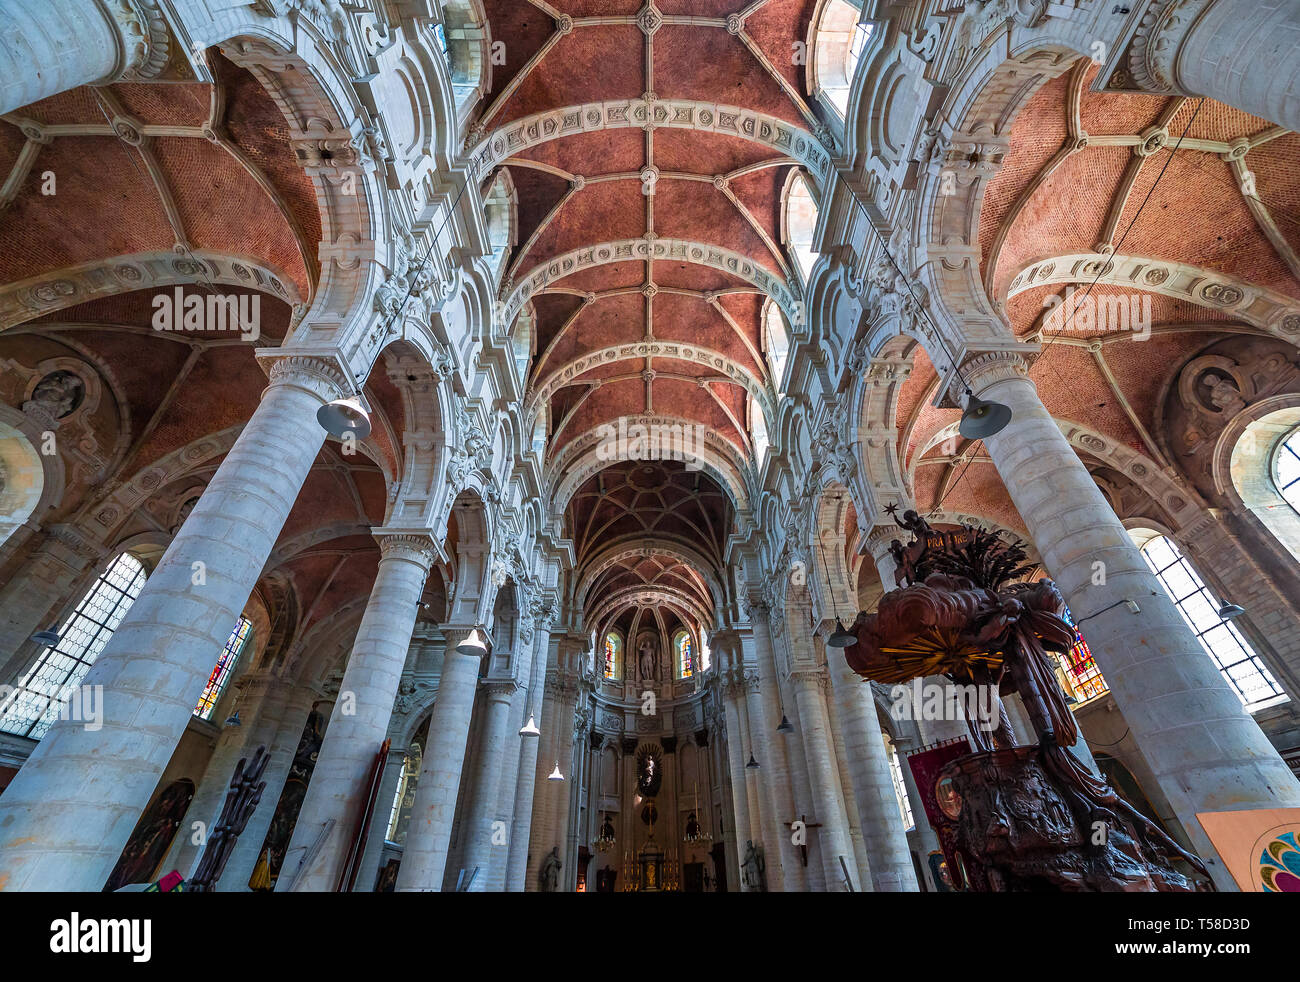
[(51, 46), (70, 810), (800, 782), (560, 792), (1205, 751), (1240, 52), (873, 783), (732, 693), (774, 832), (521, 830), (507, 787), (809, 689), (263, 702), (548, 743), (362, 712), (481, 807), (776, 776), (284, 746), (428, 837)]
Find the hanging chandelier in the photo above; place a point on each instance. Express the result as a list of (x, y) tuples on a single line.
[(605, 841), (695, 832)]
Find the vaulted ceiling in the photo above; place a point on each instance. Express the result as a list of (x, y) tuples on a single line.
[(649, 144), (1152, 183), (109, 197), (649, 534), (649, 156)]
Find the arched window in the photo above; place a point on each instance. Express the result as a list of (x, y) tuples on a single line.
[(800, 223), (685, 652), (1265, 472), (22, 479), (706, 656), (776, 341), (838, 44), (900, 789), (405, 796), (463, 39), (34, 705), (499, 212), (613, 655), (1231, 652), (221, 670), (758, 431)]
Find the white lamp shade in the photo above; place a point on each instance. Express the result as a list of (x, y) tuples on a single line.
[(555, 775), (345, 416), (530, 728), (472, 645)]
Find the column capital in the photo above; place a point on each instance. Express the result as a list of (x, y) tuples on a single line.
[(810, 677), (1158, 41), (415, 547), (877, 538), (72, 545), (324, 374), (142, 34), (499, 690), (984, 369)]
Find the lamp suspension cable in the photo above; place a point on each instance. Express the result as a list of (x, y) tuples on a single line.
[(841, 637), (980, 417)]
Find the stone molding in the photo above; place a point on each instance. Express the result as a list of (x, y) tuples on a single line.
[(984, 369), (320, 376), (1153, 54), (413, 547)]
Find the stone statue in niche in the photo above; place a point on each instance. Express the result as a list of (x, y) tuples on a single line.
[(549, 875), (58, 394), (751, 867), (184, 512), (1224, 394), (648, 659)]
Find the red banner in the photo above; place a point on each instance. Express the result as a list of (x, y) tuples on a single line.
[(926, 765)]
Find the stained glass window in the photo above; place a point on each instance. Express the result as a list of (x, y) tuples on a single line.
[(613, 652), (685, 655), (31, 709), (221, 671), (1082, 676), (1236, 659)]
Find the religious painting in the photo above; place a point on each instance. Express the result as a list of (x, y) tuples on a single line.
[(386, 882), (939, 872), (291, 798), (152, 836)]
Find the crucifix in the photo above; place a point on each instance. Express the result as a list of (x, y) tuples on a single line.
[(803, 846)]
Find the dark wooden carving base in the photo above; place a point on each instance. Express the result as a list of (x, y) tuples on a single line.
[(1018, 831)]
